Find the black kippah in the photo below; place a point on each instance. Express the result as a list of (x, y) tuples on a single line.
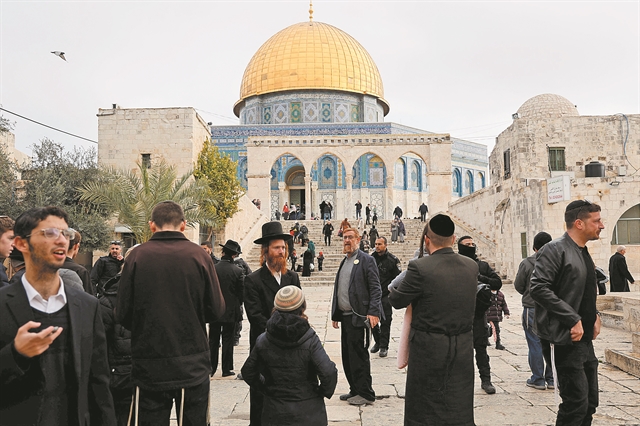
[(442, 225)]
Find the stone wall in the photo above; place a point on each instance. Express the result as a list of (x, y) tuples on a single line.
[(173, 134), (244, 227), (518, 204), (8, 142)]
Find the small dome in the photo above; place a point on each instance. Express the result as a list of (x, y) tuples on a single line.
[(547, 106), (311, 55)]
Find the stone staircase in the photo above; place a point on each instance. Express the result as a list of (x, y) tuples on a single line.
[(622, 311), (333, 254)]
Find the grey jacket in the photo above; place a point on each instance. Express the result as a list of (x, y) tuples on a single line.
[(557, 288), (522, 282)]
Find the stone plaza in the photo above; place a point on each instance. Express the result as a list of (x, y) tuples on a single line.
[(513, 404)]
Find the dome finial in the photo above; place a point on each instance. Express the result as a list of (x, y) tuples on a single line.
[(310, 10)]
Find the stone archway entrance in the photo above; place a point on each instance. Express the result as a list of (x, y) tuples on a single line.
[(294, 180)]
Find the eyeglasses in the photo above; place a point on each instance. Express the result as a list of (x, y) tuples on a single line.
[(116, 242), (349, 237), (579, 204), (54, 233)]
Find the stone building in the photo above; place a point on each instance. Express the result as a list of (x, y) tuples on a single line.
[(539, 164), (312, 129), (8, 143)]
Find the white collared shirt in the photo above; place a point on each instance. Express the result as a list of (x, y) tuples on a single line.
[(276, 275), (55, 302)]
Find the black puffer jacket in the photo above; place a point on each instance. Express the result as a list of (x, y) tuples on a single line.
[(290, 367), (118, 338), (557, 288)]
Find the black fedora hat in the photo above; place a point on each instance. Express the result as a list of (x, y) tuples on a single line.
[(232, 246), (272, 231)]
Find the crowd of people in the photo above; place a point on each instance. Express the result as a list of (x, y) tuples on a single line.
[(120, 344)]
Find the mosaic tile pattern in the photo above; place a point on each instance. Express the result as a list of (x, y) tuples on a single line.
[(325, 113), (310, 112), (296, 112), (281, 114), (355, 113), (341, 113), (266, 115)]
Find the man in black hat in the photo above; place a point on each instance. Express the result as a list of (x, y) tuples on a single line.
[(488, 280), (564, 287), (260, 288), (231, 279), (441, 288), (541, 377)]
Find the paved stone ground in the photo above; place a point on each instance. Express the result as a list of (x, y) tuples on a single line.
[(513, 404)]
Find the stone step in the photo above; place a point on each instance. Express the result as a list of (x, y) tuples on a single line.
[(625, 361), (613, 319)]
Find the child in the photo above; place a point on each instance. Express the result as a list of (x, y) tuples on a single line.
[(494, 314), (320, 260), (289, 366)]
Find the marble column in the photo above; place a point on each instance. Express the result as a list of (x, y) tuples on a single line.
[(348, 208), (315, 201), (391, 203), (307, 197), (281, 195)]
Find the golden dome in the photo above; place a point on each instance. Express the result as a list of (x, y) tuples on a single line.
[(311, 55)]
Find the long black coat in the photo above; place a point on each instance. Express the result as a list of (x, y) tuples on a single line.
[(231, 280), (20, 387), (442, 290), (291, 369), (619, 273), (260, 288), (168, 291)]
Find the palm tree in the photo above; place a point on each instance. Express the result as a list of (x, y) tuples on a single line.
[(132, 195)]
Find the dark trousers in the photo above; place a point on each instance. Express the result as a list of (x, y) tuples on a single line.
[(358, 214), (382, 332), (227, 330), (355, 360), (368, 222), (155, 406), (327, 240), (423, 216), (122, 402), (256, 399), (577, 368), (482, 361), (496, 325)]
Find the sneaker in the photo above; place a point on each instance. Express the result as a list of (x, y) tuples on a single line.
[(500, 347), (375, 348), (533, 385), (488, 388), (359, 400), (346, 396), (551, 386), (383, 352), (239, 377)]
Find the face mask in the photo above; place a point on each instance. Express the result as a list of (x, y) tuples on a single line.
[(467, 251)]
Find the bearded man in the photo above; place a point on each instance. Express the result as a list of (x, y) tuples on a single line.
[(260, 288)]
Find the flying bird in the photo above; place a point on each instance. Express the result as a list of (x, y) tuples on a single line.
[(60, 54)]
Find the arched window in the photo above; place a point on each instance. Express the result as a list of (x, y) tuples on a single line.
[(415, 176), (456, 184), (627, 230), (327, 173), (481, 179), (468, 182), (376, 171), (399, 174), (355, 172)]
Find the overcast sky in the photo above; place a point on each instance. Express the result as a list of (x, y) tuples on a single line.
[(457, 67)]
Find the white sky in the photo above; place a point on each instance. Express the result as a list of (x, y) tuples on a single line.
[(458, 67)]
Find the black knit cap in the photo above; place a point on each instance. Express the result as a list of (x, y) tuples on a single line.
[(541, 239), (442, 225)]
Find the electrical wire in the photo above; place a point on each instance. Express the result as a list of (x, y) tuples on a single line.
[(624, 144), (50, 127)]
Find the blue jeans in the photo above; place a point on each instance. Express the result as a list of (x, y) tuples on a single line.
[(540, 374)]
